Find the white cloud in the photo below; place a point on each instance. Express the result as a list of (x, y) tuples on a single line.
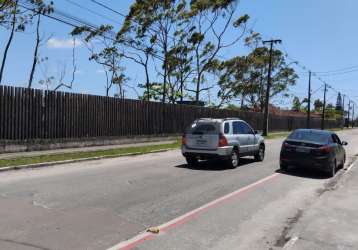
[(57, 43)]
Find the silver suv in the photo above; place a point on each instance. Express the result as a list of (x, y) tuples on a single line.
[(227, 139)]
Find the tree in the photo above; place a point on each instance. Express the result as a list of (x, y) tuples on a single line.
[(10, 15), (339, 103), (208, 40), (179, 65), (61, 79), (318, 105), (15, 18), (245, 76), (106, 53), (40, 8), (296, 104), (139, 47), (331, 112), (234, 79), (156, 20)]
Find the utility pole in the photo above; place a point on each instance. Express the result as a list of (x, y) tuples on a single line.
[(343, 112), (349, 112), (309, 102), (324, 107), (267, 100)]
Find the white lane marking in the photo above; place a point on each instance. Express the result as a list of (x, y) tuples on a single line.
[(290, 243), (350, 167), (129, 244)]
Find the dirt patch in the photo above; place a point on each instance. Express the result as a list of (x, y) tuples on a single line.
[(284, 237)]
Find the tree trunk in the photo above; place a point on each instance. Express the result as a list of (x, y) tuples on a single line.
[(181, 87), (147, 79), (165, 73), (197, 92), (35, 61), (198, 80), (13, 25)]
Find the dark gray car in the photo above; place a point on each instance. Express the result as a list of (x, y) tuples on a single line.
[(314, 149)]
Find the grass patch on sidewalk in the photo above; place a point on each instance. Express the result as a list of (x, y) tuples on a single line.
[(85, 155)]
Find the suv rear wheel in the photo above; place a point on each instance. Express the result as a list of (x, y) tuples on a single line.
[(260, 155), (192, 161), (234, 159)]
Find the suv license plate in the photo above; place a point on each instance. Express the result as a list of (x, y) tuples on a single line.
[(201, 142)]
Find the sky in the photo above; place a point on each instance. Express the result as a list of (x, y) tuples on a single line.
[(320, 35)]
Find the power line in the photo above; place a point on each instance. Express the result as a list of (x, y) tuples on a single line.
[(108, 8), (339, 73), (91, 11), (337, 70), (123, 15), (76, 22)]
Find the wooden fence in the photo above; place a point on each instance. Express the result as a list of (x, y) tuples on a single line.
[(29, 114)]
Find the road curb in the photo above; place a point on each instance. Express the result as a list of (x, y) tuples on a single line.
[(49, 164)]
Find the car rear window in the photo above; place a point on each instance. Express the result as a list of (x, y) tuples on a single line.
[(203, 128), (310, 136)]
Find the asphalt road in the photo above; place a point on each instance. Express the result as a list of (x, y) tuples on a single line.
[(98, 204)]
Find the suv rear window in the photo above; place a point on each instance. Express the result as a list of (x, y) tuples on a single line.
[(203, 128), (310, 136)]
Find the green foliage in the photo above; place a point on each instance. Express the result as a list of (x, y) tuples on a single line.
[(318, 105), (332, 113), (108, 55), (246, 76), (296, 104)]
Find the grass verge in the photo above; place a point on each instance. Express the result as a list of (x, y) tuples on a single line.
[(20, 161), (277, 135)]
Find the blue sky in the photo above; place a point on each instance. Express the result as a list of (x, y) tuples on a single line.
[(319, 34)]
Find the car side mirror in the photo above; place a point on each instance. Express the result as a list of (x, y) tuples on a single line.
[(256, 132), (344, 143)]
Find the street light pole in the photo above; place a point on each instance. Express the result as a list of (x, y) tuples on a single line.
[(324, 108), (309, 102), (267, 100), (353, 115), (349, 113), (343, 111)]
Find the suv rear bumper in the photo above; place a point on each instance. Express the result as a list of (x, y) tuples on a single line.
[(222, 152)]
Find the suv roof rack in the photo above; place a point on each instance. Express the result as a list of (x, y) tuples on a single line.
[(232, 118)]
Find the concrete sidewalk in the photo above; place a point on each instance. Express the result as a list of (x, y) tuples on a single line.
[(81, 149), (332, 222)]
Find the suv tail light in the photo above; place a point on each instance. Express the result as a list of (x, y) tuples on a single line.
[(222, 141), (183, 140)]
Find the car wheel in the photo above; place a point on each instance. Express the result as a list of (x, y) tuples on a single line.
[(192, 161), (283, 167), (344, 160), (234, 159), (332, 169), (260, 155)]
